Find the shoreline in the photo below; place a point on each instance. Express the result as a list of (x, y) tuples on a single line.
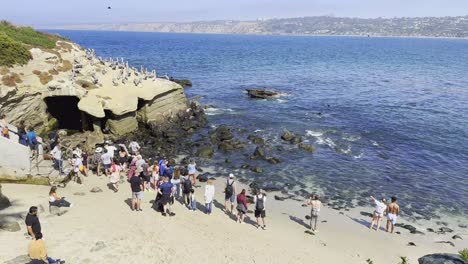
[(106, 217), (256, 34)]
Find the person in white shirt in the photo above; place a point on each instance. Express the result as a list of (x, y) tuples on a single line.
[(77, 151), (110, 148), (106, 160), (209, 196), (134, 147), (380, 207), (57, 156), (77, 163)]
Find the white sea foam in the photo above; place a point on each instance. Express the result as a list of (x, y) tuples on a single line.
[(281, 101), (374, 143), (351, 138), (359, 156), (217, 111), (312, 133), (258, 130)]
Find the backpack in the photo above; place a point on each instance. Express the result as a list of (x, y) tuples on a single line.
[(229, 188), (187, 186), (259, 205)]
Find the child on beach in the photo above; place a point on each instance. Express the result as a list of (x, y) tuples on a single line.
[(193, 201)]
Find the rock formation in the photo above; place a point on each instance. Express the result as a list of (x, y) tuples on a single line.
[(69, 87)]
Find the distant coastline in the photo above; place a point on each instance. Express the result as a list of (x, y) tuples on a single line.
[(418, 27)]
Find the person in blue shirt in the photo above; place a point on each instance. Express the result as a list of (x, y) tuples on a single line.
[(166, 189), (32, 140), (162, 166), (168, 171)]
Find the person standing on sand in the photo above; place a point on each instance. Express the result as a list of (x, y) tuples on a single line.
[(106, 160), (155, 174), (186, 190), (115, 176), (315, 204), (393, 210), (241, 206), (230, 193), (380, 208), (123, 158), (259, 201), (137, 194), (32, 222), (193, 200), (192, 171), (209, 197), (166, 192), (134, 147)]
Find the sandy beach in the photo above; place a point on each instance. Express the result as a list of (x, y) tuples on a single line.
[(193, 237)]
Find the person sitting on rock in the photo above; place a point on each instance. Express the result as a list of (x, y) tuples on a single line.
[(55, 200), (37, 251)]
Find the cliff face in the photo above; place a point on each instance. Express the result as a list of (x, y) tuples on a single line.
[(69, 87)]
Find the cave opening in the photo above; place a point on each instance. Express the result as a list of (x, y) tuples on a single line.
[(65, 110)]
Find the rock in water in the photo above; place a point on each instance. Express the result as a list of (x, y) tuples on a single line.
[(287, 136), (96, 190), (257, 169), (206, 152), (10, 227), (441, 259), (259, 153), (262, 94), (306, 147)]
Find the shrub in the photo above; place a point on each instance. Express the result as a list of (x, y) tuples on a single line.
[(45, 77), (28, 36), (12, 52), (66, 66), (464, 254)]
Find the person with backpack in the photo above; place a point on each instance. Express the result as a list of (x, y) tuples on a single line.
[(241, 206), (259, 201), (186, 190), (32, 141), (230, 193)]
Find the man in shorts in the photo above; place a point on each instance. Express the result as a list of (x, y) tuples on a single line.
[(259, 201), (137, 194), (393, 210), (167, 192), (230, 193)]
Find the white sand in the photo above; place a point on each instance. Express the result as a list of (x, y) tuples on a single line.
[(193, 237)]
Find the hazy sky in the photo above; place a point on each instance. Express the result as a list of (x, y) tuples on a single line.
[(60, 12)]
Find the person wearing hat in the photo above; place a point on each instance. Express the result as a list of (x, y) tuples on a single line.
[(380, 207), (97, 160), (230, 193)]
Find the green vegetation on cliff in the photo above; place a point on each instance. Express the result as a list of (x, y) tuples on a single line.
[(16, 41)]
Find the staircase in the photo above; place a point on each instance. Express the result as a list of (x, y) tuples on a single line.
[(16, 159)]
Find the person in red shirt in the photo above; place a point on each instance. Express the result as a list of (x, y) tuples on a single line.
[(241, 206)]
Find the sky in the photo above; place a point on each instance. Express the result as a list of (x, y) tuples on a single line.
[(68, 12)]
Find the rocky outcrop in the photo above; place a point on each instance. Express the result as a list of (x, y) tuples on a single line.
[(441, 259), (4, 201), (262, 94), (110, 94)]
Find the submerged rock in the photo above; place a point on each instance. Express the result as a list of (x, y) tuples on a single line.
[(206, 152), (262, 94), (256, 140), (256, 169), (306, 147), (441, 259)]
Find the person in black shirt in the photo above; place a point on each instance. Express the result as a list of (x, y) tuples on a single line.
[(137, 194), (32, 222)]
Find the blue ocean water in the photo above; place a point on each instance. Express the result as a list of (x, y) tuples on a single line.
[(389, 116)]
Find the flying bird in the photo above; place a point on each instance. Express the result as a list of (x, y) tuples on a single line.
[(109, 7)]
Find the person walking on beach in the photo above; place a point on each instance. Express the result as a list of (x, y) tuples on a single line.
[(166, 192), (192, 171), (137, 194), (110, 148), (380, 208), (259, 201), (393, 210), (55, 200), (209, 197), (230, 193), (32, 222), (97, 160), (315, 204), (241, 206)]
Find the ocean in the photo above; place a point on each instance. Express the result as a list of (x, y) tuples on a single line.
[(388, 116)]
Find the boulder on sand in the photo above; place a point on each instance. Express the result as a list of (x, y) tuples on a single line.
[(441, 259), (262, 93)]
